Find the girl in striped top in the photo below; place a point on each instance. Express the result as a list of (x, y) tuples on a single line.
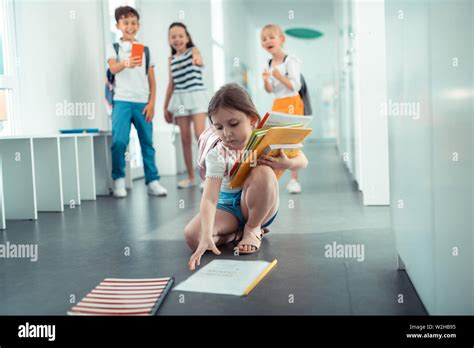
[(186, 98)]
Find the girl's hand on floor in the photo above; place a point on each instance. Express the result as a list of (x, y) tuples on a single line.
[(168, 116), (281, 162), (149, 112), (205, 244)]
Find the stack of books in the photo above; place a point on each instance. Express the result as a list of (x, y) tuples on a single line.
[(275, 131), (115, 296)]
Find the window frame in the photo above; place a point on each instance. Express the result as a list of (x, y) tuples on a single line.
[(10, 79)]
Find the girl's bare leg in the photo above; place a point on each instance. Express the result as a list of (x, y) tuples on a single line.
[(259, 200), (184, 123), (225, 228), (199, 121)]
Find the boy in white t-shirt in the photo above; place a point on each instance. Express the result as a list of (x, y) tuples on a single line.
[(134, 102)]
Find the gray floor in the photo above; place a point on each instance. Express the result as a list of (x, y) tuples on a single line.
[(84, 245)]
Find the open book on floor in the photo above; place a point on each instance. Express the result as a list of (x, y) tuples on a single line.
[(274, 128), (115, 296), (228, 277)]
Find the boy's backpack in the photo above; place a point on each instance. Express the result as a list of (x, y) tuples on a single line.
[(207, 141), (110, 79), (303, 92)]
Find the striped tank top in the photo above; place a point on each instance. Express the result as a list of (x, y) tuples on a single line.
[(186, 76)]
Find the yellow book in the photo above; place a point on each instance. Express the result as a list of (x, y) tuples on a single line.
[(291, 150), (274, 135)]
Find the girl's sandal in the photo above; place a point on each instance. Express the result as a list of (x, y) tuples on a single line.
[(238, 235), (252, 239)]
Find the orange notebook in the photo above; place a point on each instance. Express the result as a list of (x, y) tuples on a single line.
[(274, 135), (137, 50)]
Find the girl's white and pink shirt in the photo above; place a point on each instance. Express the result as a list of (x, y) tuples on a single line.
[(219, 162)]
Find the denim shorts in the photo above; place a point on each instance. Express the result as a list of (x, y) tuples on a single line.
[(230, 202)]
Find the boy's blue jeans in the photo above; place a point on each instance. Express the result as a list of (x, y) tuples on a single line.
[(123, 115)]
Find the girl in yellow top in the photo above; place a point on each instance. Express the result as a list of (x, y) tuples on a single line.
[(282, 77)]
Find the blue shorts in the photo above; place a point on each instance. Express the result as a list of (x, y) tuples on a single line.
[(230, 202)]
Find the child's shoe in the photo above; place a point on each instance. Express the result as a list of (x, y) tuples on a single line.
[(155, 189), (120, 191), (186, 183), (293, 186)]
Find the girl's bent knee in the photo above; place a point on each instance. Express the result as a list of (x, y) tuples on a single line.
[(262, 176), (191, 238)]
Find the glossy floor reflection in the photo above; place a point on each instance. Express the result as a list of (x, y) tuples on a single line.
[(84, 245)]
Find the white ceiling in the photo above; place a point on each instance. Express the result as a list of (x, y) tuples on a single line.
[(312, 13)]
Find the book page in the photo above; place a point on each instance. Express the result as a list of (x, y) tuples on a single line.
[(226, 277), (277, 119)]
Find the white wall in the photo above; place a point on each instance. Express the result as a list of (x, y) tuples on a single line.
[(362, 127), (61, 56), (345, 87), (238, 44), (155, 18), (370, 95), (431, 181)]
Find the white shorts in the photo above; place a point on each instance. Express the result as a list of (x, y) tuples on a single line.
[(188, 103)]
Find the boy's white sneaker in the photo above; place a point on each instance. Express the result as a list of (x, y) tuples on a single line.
[(120, 191), (155, 189), (293, 186)]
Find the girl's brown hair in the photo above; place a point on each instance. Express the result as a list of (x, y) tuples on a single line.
[(233, 97), (181, 25)]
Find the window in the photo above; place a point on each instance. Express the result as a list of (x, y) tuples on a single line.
[(8, 69), (218, 55)]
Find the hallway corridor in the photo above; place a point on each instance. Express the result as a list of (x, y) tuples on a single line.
[(86, 244)]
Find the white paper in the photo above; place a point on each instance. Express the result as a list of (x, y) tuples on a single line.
[(281, 119), (227, 277)]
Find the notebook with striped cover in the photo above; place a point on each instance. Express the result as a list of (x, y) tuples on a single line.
[(115, 296)]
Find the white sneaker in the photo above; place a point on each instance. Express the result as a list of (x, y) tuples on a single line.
[(120, 191), (155, 189), (293, 186)]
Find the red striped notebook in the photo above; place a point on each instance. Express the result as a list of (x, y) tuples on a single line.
[(124, 297)]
